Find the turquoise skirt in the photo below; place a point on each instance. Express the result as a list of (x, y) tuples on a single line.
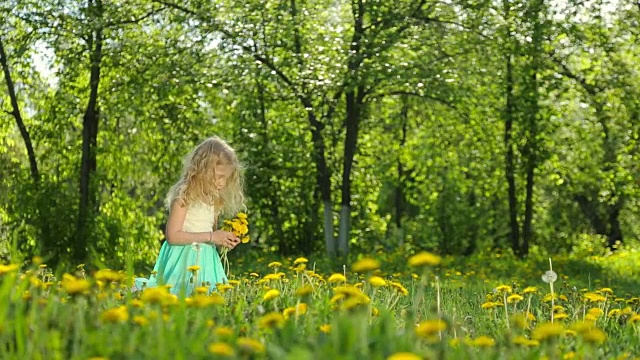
[(172, 268)]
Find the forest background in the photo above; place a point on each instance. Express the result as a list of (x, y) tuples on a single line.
[(365, 126)]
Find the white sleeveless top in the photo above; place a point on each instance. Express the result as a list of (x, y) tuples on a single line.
[(199, 218)]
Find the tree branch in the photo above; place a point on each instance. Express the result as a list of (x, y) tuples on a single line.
[(135, 20), (592, 90), (411, 93), (246, 48)]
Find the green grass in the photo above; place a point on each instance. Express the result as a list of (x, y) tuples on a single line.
[(40, 319)]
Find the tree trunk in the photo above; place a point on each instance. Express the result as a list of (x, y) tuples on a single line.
[(609, 223), (399, 192), (274, 205), (527, 232), (614, 238), (15, 112), (354, 97), (323, 177), (90, 120), (514, 233), (532, 113), (350, 144), (33, 163)]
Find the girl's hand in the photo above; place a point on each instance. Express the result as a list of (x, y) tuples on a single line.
[(224, 238)]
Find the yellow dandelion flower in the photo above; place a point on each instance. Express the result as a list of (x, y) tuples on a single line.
[(348, 291), (335, 298), (221, 349), (595, 312), (300, 260), (594, 297), (635, 318), (530, 290), (569, 333), (488, 305), (248, 345), (274, 264), (253, 274), (193, 268), (242, 216), (108, 275), (325, 328), (201, 290), (514, 298), (337, 278), (614, 312), (222, 288), (223, 332), (560, 316), (547, 331), (140, 320), (563, 298), (399, 288), (269, 277), (424, 259), (482, 341), (5, 269), (304, 291), (233, 282), (203, 301), (119, 314), (568, 356), (593, 335), (271, 320), (521, 340), (37, 260), (518, 321), (365, 265), (301, 308), (605, 291), (377, 281), (154, 295), (404, 356), (590, 318), (74, 286), (271, 294), (354, 302), (504, 289), (430, 327)]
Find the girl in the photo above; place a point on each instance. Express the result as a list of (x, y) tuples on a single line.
[(210, 185)]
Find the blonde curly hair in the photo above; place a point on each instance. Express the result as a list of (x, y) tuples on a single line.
[(197, 182)]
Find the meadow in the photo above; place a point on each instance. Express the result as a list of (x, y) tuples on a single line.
[(381, 306)]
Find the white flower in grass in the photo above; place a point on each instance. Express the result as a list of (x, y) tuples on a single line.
[(550, 276)]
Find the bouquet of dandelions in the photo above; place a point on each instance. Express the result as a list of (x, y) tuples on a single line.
[(239, 226)]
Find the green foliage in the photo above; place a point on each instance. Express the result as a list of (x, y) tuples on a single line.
[(429, 168)]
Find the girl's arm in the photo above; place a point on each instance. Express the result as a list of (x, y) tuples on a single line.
[(175, 235)]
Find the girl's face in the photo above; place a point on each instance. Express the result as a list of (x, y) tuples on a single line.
[(223, 172)]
